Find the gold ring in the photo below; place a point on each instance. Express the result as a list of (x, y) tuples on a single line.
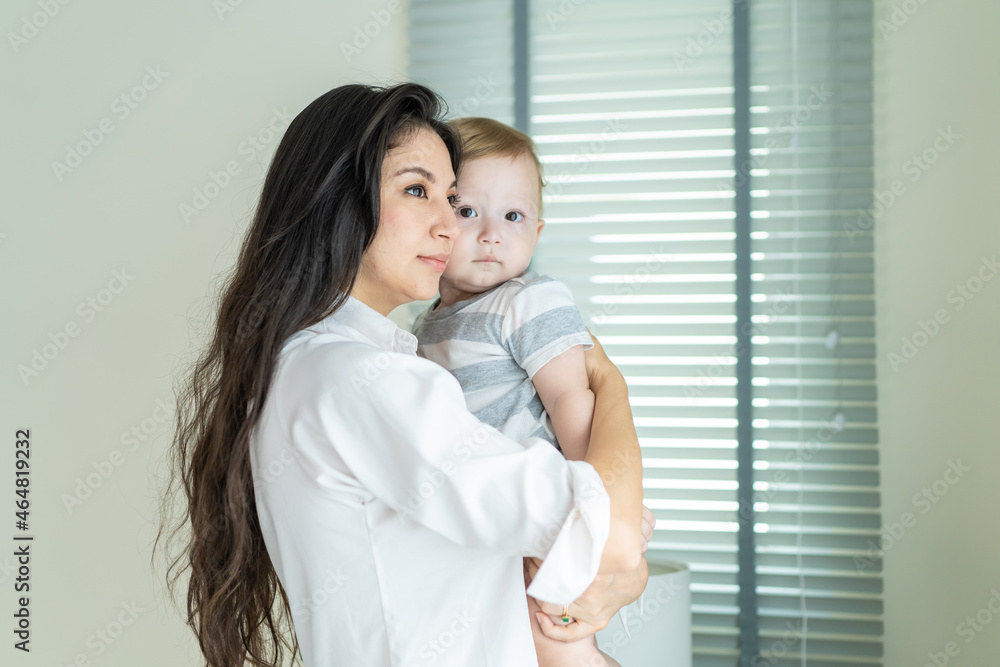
[(566, 618)]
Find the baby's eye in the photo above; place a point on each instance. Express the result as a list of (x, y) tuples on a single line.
[(421, 192), (514, 216), (467, 212)]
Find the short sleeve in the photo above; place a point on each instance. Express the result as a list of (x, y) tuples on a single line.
[(541, 322), (400, 425)]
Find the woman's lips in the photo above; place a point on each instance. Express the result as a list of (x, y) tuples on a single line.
[(436, 262)]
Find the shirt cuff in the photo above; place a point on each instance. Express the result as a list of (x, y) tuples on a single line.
[(572, 561)]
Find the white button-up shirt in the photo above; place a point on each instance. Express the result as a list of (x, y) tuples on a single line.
[(396, 521)]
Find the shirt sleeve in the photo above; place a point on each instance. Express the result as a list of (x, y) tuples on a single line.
[(400, 425), (541, 322)]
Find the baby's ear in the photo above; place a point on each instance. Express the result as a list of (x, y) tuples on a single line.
[(541, 223)]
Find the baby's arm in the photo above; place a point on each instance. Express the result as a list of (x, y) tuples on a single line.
[(564, 390)]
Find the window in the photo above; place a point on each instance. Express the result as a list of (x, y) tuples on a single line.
[(635, 108)]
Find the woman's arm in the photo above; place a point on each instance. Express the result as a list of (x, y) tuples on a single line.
[(564, 389), (614, 453), (536, 323)]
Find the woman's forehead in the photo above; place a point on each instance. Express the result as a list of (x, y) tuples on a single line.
[(423, 150)]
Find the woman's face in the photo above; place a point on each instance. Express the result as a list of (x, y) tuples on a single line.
[(416, 228)]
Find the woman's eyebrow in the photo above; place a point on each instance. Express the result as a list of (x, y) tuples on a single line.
[(417, 170), (423, 172)]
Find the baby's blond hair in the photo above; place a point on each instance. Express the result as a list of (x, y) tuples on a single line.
[(485, 137)]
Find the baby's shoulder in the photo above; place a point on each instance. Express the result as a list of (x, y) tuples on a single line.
[(531, 281), (536, 297), (535, 286)]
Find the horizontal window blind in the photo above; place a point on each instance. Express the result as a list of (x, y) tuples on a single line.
[(816, 457), (464, 51), (631, 106), (635, 129)]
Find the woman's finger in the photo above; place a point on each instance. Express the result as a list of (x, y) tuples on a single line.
[(647, 531), (648, 523), (585, 614), (564, 633), (597, 343), (596, 360), (648, 516), (549, 608)]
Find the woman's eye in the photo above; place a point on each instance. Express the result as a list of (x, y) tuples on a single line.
[(514, 216), (416, 190), (467, 212), (453, 200)]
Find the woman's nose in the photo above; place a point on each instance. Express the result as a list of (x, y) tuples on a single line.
[(446, 222)]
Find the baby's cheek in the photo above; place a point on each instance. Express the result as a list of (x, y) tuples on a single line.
[(454, 266)]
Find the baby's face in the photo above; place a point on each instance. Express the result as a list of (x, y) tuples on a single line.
[(498, 215)]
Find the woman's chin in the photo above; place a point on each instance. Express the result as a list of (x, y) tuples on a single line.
[(426, 292)]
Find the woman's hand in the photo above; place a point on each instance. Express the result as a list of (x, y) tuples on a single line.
[(599, 366), (591, 611), (648, 523)]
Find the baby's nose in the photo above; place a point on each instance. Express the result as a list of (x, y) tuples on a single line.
[(489, 235)]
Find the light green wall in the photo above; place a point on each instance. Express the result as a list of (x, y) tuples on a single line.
[(221, 76), (118, 210), (937, 69)]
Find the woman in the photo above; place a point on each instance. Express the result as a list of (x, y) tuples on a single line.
[(317, 451)]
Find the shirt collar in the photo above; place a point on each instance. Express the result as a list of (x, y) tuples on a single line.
[(436, 311), (370, 323)]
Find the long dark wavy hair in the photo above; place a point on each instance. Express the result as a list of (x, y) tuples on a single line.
[(318, 213)]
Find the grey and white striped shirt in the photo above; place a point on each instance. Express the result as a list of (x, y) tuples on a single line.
[(495, 342)]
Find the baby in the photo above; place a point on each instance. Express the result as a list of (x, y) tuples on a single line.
[(513, 338)]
